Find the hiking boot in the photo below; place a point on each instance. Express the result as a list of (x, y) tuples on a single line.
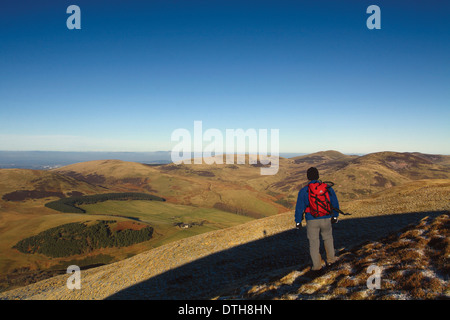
[(312, 274)]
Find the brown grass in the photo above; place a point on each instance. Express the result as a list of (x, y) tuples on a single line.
[(414, 262), (245, 191)]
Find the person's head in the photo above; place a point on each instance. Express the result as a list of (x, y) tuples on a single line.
[(312, 174)]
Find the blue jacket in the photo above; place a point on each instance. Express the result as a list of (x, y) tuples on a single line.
[(303, 203)]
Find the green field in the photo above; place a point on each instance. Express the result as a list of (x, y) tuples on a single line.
[(165, 217)]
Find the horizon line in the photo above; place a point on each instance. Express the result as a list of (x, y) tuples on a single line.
[(169, 151)]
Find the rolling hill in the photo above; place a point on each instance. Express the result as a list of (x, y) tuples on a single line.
[(205, 185), (25, 184), (211, 186), (268, 258), (356, 177), (200, 199)]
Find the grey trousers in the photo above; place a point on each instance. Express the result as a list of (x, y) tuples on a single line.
[(313, 229)]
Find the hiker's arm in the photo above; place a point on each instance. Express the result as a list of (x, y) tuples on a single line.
[(301, 205), (334, 202)]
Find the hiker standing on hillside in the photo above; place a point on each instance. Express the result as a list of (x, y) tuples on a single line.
[(318, 201)]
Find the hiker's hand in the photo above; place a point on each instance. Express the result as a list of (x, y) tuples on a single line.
[(298, 225), (334, 220)]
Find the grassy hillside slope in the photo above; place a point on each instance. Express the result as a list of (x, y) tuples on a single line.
[(412, 264), (205, 197), (261, 253)]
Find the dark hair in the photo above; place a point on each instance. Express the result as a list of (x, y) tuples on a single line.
[(312, 174)]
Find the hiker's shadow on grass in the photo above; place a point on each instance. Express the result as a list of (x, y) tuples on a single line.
[(210, 276)]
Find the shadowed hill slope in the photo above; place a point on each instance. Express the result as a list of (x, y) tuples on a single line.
[(195, 190), (216, 263), (411, 264)]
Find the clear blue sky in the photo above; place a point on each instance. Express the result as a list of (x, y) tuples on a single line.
[(137, 70)]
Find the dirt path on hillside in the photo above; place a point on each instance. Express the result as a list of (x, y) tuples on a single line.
[(204, 266)]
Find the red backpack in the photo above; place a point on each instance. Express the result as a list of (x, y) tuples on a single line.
[(319, 200)]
